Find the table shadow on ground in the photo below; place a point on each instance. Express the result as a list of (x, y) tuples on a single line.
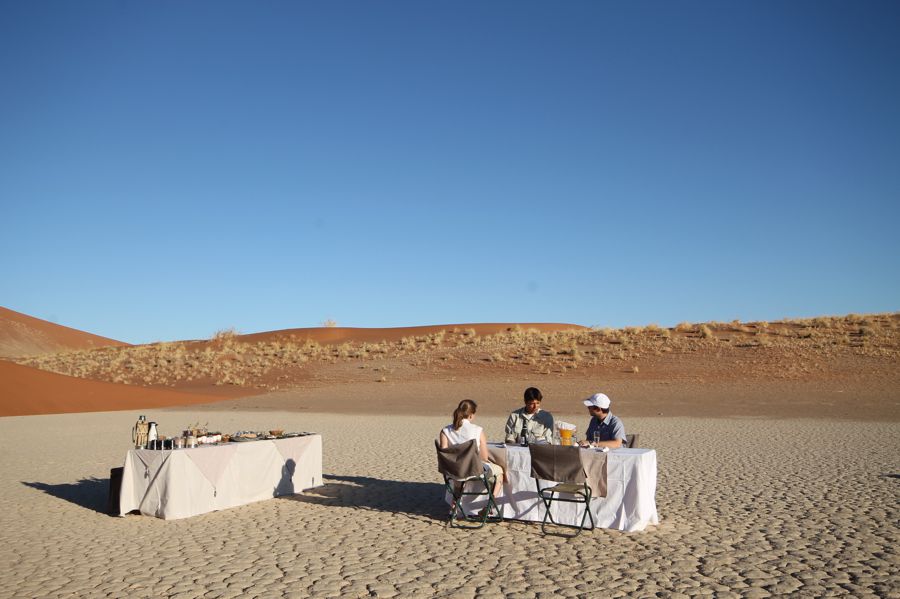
[(398, 497), (90, 493)]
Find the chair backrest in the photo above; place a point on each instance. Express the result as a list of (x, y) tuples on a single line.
[(557, 463), (459, 461), (632, 440)]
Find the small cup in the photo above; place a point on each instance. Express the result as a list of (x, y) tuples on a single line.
[(597, 437)]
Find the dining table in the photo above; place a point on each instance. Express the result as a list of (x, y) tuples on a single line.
[(179, 483), (623, 484)]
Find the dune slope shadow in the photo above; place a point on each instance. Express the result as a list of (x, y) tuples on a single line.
[(91, 493), (398, 497)]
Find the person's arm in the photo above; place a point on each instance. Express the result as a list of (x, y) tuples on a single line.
[(588, 434), (511, 432), (618, 439), (482, 448), (445, 443), (611, 444)]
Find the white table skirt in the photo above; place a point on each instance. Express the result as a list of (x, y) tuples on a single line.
[(630, 503), (186, 482)]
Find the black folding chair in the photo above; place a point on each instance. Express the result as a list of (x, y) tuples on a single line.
[(461, 466), (562, 465)]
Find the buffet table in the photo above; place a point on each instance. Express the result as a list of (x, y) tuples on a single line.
[(630, 495), (180, 483)]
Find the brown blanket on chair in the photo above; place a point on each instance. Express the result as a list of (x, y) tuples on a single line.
[(570, 465), (459, 461)]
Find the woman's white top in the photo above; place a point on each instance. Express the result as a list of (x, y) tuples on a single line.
[(465, 433)]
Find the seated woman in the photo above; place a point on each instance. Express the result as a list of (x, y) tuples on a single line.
[(463, 430)]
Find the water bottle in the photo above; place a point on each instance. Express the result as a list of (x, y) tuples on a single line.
[(523, 439)]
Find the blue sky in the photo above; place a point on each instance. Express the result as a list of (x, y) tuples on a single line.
[(170, 169)]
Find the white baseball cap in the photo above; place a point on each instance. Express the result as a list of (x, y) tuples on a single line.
[(598, 400)]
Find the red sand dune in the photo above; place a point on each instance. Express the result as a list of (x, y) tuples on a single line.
[(23, 335), (25, 391), (334, 335)]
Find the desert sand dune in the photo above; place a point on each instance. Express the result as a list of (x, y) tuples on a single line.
[(25, 390), (332, 335), (23, 335), (832, 367)]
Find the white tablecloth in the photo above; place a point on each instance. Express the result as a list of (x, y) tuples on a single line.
[(186, 482), (630, 502)]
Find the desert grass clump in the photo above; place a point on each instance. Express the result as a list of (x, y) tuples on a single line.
[(225, 334), (706, 332)]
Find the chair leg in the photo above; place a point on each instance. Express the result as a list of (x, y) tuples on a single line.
[(455, 505), (492, 502), (587, 506), (587, 510), (547, 503), (547, 515), (458, 514)]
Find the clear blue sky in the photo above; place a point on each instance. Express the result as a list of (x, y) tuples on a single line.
[(169, 169)]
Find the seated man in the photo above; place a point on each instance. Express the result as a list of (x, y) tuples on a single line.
[(530, 419), (604, 427)]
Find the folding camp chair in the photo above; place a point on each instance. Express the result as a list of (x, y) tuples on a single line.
[(462, 467), (562, 465), (632, 440)]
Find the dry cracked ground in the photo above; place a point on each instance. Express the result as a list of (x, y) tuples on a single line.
[(748, 508)]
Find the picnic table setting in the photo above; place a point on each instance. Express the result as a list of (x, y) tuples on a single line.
[(620, 485), (201, 471)]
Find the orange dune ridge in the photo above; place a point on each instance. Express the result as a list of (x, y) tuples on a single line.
[(23, 335), (26, 391), (336, 335)]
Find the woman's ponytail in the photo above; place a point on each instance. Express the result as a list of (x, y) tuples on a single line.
[(466, 408)]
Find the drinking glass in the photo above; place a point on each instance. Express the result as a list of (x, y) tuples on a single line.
[(597, 438)]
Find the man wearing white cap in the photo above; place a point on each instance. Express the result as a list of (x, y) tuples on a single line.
[(609, 430)]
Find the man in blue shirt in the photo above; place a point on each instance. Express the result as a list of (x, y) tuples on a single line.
[(610, 430)]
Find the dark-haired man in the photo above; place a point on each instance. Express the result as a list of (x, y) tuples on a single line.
[(530, 419)]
